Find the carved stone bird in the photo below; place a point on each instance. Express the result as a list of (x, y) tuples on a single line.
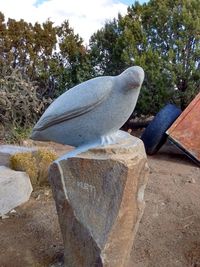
[(91, 112)]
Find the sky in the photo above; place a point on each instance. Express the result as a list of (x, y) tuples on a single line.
[(84, 16)]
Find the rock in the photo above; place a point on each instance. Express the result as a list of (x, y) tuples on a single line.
[(99, 200), (15, 189), (6, 151)]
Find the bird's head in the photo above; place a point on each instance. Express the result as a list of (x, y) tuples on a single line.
[(132, 77)]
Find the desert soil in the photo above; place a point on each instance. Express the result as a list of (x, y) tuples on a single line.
[(168, 235)]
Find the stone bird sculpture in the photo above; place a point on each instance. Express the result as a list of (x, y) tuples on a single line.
[(91, 113)]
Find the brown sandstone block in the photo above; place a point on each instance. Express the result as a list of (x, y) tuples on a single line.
[(99, 200)]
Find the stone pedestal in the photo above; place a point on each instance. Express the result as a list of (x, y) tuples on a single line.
[(99, 200)]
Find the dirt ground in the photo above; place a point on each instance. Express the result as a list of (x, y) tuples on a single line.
[(168, 235)]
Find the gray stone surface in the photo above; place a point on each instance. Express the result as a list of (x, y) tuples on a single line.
[(91, 112), (6, 151), (15, 189), (99, 200)]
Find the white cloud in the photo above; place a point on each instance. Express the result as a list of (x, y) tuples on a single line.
[(85, 16)]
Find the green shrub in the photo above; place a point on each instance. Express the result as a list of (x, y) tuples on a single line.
[(16, 135)]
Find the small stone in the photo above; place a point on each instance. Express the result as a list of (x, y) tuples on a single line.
[(13, 211), (191, 181), (38, 197), (47, 192), (3, 217)]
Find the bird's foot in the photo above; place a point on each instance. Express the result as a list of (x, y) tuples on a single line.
[(77, 150), (106, 140), (114, 138)]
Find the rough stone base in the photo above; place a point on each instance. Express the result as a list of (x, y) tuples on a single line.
[(99, 199)]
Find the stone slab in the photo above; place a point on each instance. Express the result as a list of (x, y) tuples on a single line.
[(15, 189), (99, 200), (6, 151)]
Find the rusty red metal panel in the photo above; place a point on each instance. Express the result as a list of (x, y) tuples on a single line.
[(185, 131)]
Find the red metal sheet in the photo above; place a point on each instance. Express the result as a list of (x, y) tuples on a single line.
[(185, 131)]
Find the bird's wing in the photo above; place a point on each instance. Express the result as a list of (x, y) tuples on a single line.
[(76, 101)]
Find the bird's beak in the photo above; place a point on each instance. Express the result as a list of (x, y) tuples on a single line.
[(133, 77), (138, 77)]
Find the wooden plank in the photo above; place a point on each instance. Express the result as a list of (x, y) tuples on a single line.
[(185, 131)]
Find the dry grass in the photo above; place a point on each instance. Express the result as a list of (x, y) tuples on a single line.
[(35, 164)]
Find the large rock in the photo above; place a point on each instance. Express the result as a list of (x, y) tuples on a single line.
[(99, 200), (15, 189), (6, 151)]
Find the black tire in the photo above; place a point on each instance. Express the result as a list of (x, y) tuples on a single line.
[(155, 135)]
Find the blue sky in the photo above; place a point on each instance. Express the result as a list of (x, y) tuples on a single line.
[(130, 2), (126, 2), (38, 2), (84, 16)]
